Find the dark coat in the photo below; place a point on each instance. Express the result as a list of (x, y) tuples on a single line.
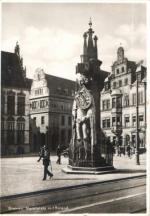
[(58, 152), (45, 154)]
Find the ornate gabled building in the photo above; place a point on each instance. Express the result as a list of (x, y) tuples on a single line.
[(50, 110), (14, 104), (118, 102)]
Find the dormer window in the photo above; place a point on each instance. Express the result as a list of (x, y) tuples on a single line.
[(59, 89), (106, 86), (122, 69)]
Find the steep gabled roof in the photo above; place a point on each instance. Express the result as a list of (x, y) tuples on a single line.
[(55, 82), (11, 72)]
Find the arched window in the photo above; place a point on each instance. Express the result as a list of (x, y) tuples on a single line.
[(10, 131), (21, 104), (126, 100), (10, 103), (20, 130)]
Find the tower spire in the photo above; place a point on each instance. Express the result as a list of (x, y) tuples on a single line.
[(90, 23), (90, 33), (17, 49)]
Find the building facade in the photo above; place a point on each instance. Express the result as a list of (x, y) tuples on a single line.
[(14, 104), (118, 102), (51, 101)]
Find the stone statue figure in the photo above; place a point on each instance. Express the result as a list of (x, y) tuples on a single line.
[(83, 117), (86, 145)]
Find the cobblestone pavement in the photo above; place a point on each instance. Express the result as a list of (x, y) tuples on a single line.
[(21, 175)]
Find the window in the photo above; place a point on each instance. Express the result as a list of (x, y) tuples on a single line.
[(11, 104), (38, 91), (42, 120), (66, 91), (20, 131), (122, 69), (21, 105), (118, 102), (120, 83), (108, 123), (10, 131), (62, 120), (127, 121), (117, 71), (126, 100), (134, 121), (106, 86), (34, 105), (2, 102), (113, 121), (72, 93), (114, 85), (104, 123), (34, 120), (140, 99), (118, 120), (126, 81), (104, 104), (2, 131), (69, 120), (42, 103), (108, 104), (141, 120), (113, 102), (134, 99)]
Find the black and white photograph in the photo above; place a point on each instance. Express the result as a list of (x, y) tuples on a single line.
[(74, 107)]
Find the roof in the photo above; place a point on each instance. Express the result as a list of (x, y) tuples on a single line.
[(11, 71), (55, 82)]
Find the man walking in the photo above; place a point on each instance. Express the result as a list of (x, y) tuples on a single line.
[(59, 155), (45, 154), (129, 150)]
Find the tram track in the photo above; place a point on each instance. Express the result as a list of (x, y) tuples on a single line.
[(73, 196)]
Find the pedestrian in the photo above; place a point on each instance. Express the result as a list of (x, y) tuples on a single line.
[(119, 150), (59, 155), (128, 151), (45, 154)]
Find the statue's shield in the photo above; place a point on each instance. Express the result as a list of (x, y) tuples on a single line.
[(83, 99)]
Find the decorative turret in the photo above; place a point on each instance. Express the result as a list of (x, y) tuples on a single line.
[(17, 49), (95, 45), (120, 54), (89, 46), (17, 52)]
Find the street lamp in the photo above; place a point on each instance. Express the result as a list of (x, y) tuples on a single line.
[(138, 71), (145, 82)]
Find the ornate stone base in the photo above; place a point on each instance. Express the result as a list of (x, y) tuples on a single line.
[(89, 170)]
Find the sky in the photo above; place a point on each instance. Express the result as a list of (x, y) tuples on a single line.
[(50, 35)]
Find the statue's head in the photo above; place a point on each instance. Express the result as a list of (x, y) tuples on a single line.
[(83, 79)]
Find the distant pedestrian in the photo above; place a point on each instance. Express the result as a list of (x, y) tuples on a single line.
[(59, 155), (45, 154), (129, 151), (119, 150)]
